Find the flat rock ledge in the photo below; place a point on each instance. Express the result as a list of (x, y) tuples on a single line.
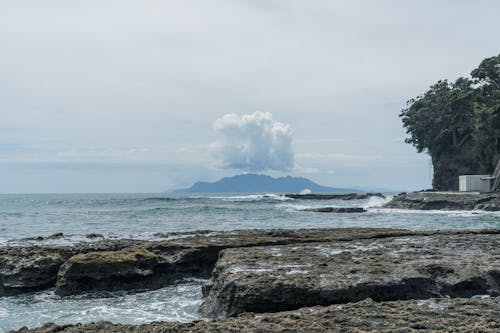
[(281, 278), (433, 315), (446, 201), (347, 196), (109, 265), (336, 210)]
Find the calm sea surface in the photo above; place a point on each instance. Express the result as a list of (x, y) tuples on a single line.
[(146, 216)]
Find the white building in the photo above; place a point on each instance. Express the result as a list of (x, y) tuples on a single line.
[(475, 183)]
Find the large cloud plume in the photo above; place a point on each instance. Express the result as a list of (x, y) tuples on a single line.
[(253, 142)]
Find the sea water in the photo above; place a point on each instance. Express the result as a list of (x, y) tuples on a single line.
[(153, 216)]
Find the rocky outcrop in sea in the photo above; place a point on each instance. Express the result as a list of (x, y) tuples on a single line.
[(446, 201)]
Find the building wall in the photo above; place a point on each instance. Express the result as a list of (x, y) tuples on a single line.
[(474, 183)]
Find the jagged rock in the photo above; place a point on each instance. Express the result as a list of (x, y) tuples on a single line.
[(279, 278), (30, 268), (110, 270), (492, 205), (434, 315), (348, 196), (336, 210), (445, 200), (193, 256)]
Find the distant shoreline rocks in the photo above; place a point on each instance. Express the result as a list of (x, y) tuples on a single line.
[(339, 210), (346, 196), (445, 201)]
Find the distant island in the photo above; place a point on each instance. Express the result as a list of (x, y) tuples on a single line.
[(253, 183)]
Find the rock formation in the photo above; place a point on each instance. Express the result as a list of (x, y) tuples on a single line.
[(433, 315), (127, 264), (278, 278), (336, 280), (446, 201)]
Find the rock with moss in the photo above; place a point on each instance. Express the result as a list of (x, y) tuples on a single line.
[(31, 268), (110, 271), (153, 265)]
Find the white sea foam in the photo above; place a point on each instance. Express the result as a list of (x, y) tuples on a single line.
[(376, 201), (296, 271), (299, 208), (481, 297), (435, 304), (176, 303), (236, 270)]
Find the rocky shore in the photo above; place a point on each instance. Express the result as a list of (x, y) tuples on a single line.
[(277, 278), (434, 315), (130, 264), (446, 201), (327, 279)]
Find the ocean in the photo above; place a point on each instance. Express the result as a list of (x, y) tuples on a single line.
[(150, 216)]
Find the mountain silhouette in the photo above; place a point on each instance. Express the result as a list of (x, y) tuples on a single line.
[(253, 183)]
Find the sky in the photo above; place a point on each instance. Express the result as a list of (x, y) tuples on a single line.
[(149, 96)]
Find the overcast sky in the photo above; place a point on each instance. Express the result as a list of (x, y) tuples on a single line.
[(146, 96)]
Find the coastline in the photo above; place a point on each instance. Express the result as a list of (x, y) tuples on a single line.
[(274, 271), (432, 200)]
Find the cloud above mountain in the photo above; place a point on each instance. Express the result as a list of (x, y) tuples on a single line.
[(253, 142)]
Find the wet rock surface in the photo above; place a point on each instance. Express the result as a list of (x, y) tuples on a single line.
[(279, 278), (83, 268), (348, 196), (171, 261), (433, 315), (30, 268), (446, 201)]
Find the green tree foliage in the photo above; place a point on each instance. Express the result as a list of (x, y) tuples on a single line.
[(459, 119), (441, 120), (487, 108)]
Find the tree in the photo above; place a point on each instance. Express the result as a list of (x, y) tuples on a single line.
[(439, 122), (458, 124), (487, 112)]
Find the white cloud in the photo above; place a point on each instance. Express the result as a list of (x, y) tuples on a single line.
[(253, 142)]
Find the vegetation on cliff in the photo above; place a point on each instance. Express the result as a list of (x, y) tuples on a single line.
[(458, 124)]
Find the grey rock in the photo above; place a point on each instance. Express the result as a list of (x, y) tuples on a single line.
[(153, 265), (30, 268), (348, 196), (280, 278), (336, 210), (446, 201), (433, 315)]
